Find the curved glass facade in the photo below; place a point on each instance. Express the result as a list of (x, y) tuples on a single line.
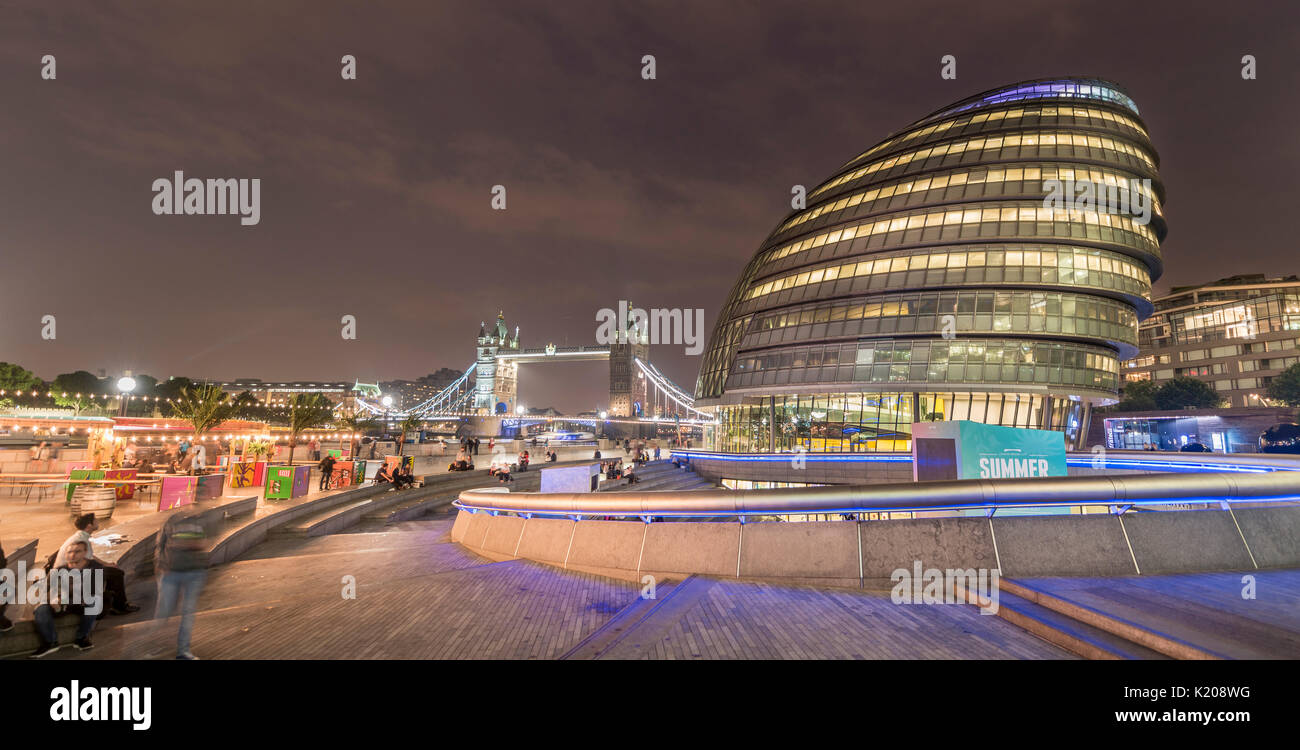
[(932, 276)]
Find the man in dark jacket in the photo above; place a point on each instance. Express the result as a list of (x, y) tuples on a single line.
[(326, 472)]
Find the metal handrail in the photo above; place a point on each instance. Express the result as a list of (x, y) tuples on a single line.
[(969, 494), (1155, 461)]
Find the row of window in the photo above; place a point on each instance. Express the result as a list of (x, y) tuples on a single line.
[(880, 421), (933, 305), (945, 363), (1081, 114), (1035, 139), (979, 176), (1067, 89), (1016, 218), (1073, 265)]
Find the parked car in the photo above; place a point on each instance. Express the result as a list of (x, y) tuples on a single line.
[(1280, 438), (1195, 448)]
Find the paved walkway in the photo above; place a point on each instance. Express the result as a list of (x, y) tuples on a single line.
[(1207, 610), (419, 596)]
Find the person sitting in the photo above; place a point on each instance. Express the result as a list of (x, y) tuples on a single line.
[(381, 476), (632, 478), (523, 460), (88, 608), (500, 469), (114, 577), (551, 457), (402, 478), (462, 462)]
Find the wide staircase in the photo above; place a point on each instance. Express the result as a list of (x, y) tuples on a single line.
[(659, 476)]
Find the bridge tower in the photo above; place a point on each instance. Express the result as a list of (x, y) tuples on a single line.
[(495, 383), (627, 385)]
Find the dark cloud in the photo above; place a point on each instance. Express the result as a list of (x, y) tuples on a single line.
[(375, 193)]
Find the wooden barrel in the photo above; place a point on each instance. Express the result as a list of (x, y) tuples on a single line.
[(98, 500)]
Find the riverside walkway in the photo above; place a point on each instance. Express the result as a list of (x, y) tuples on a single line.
[(420, 596)]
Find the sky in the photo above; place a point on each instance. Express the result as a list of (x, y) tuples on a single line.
[(376, 193)]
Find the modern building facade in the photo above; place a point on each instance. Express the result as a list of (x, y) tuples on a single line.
[(930, 277), (279, 394), (1236, 334)]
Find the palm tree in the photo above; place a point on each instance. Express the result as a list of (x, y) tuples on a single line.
[(408, 425), (353, 423), (203, 406), (307, 411)]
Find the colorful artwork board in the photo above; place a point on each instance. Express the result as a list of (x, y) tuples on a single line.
[(177, 491), (83, 474), (124, 491)]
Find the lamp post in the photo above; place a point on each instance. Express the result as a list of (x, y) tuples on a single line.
[(387, 401), (125, 385)]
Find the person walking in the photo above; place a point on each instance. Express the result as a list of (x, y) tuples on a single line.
[(182, 557)]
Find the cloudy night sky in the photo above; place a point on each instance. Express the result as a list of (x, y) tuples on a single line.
[(375, 193)]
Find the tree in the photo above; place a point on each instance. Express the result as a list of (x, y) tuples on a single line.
[(357, 421), (171, 388), (307, 411), (1286, 386), (1138, 396), (16, 378), (81, 388), (410, 424), (1186, 393), (203, 406)]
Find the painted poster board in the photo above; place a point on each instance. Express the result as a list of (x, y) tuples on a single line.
[(337, 453), (177, 491), (342, 475), (279, 482), (82, 474), (123, 491), (211, 487), (366, 471), (301, 481), (243, 474), (406, 462)]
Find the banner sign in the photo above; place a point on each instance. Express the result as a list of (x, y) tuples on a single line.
[(124, 491), (177, 491), (972, 450)]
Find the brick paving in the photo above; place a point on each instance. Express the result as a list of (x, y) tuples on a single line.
[(419, 596)]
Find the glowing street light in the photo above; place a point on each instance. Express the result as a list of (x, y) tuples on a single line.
[(125, 385)]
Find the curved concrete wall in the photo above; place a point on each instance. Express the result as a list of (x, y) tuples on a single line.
[(867, 552), (841, 468)]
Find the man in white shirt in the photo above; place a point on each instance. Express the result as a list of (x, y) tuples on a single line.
[(114, 577)]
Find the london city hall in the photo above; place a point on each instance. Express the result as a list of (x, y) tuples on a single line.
[(953, 271)]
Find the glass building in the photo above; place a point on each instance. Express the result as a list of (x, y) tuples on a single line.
[(934, 276), (1236, 334)]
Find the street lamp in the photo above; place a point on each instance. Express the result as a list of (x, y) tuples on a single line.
[(125, 385), (387, 401)]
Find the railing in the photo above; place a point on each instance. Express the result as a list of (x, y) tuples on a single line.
[(1110, 459), (1267, 480)]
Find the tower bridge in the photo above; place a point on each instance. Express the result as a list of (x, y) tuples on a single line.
[(637, 389)]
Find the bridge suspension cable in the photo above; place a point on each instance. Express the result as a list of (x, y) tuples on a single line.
[(449, 400), (671, 391)]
